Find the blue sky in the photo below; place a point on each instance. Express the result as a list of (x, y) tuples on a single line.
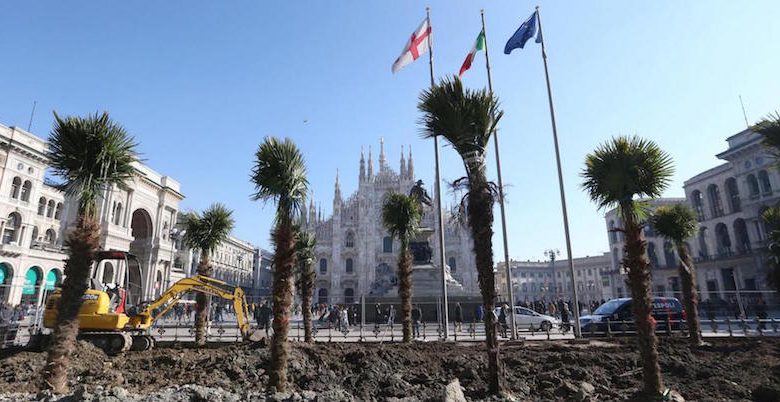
[(200, 83)]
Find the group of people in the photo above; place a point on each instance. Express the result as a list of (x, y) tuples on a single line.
[(340, 317)]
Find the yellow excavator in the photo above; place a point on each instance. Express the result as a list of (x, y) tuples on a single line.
[(114, 319)]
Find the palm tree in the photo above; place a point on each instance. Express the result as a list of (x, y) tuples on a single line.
[(466, 119), (205, 233), (769, 128), (615, 173), (279, 175), (89, 154), (401, 215), (304, 253), (677, 223)]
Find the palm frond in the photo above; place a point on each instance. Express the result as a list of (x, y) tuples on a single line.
[(624, 168), (401, 215), (769, 128), (465, 118), (676, 223), (206, 231), (305, 245), (279, 175), (89, 154)]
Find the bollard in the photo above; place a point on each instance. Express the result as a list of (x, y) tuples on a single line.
[(330, 332), (423, 330), (668, 326), (728, 326), (392, 333), (360, 338), (759, 327), (609, 329), (744, 326), (473, 330)]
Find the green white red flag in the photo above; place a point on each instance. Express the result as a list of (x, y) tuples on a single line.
[(479, 44)]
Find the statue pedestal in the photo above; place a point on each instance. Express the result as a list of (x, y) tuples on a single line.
[(426, 282)]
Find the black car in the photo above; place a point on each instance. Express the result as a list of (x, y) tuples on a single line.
[(618, 314)]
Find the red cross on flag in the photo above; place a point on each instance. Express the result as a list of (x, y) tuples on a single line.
[(418, 44)]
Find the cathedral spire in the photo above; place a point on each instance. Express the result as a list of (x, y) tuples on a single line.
[(337, 191), (370, 165), (362, 165), (410, 167), (403, 163), (382, 160)]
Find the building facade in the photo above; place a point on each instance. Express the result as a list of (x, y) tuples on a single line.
[(355, 256), (728, 249)]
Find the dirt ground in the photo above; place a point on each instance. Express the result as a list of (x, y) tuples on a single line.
[(728, 369)]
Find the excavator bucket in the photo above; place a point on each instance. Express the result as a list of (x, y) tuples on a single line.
[(254, 335)]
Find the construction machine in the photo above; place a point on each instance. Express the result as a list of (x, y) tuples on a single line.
[(114, 319)]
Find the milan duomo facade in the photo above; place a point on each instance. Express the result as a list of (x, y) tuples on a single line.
[(355, 256)]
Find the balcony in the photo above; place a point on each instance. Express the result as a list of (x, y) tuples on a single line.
[(727, 253)]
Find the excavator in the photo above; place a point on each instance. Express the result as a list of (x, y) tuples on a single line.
[(114, 319)]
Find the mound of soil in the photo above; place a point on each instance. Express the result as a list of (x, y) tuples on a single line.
[(728, 369)]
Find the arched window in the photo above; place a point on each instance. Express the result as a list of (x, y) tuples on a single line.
[(50, 209), (452, 264), (763, 179), (323, 266), (723, 238), (615, 260), (51, 237), (350, 239), (753, 186), (669, 254), (387, 244), (34, 237), (42, 206), (349, 268), (26, 190), (741, 235), (612, 234), (698, 204), (649, 232), (652, 255), (349, 295), (16, 184), (322, 296), (716, 207), (732, 193), (58, 211), (704, 251), (12, 225), (32, 285)]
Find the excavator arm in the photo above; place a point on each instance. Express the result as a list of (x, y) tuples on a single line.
[(199, 284)]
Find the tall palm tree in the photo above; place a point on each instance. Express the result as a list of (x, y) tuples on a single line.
[(769, 128), (304, 253), (401, 215), (466, 119), (279, 175), (615, 173), (677, 223), (89, 154), (205, 233)]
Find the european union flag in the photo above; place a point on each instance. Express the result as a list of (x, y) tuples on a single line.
[(525, 32)]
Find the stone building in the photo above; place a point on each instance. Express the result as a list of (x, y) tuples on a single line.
[(355, 254)]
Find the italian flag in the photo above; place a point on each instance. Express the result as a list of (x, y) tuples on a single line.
[(479, 44)]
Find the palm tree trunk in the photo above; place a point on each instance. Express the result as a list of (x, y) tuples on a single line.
[(480, 214), (284, 259), (405, 288), (688, 279), (307, 292), (639, 281), (202, 303), (83, 243)]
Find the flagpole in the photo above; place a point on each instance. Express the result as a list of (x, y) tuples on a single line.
[(576, 305), (445, 315), (510, 291)]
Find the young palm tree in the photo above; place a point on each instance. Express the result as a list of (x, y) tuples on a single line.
[(678, 223), (279, 175), (466, 120), (769, 128), (304, 253), (89, 154), (401, 215), (615, 173), (205, 233)]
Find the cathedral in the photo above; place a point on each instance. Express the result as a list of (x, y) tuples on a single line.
[(355, 256)]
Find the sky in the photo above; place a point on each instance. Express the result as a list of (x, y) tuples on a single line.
[(201, 83)]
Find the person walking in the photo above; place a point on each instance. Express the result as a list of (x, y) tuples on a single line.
[(344, 319), (458, 317), (565, 318), (378, 314), (391, 315), (502, 320), (416, 318), (761, 312)]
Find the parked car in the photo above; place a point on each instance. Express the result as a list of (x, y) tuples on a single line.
[(529, 320), (618, 314)]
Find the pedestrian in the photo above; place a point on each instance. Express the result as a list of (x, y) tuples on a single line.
[(761, 312), (391, 315), (265, 317), (502, 319), (479, 313), (344, 319), (458, 317), (378, 314), (416, 318), (551, 309)]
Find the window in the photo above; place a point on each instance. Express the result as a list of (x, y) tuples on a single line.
[(322, 296), (452, 264), (117, 214), (703, 249), (732, 193), (649, 232), (522, 274), (752, 186), (58, 211), (387, 244), (16, 184), (651, 254), (349, 296), (698, 204), (50, 209), (723, 239), (42, 206), (716, 207), (323, 266), (12, 225), (350, 240), (612, 234), (766, 186), (34, 237), (51, 237), (669, 254), (349, 267), (26, 189)]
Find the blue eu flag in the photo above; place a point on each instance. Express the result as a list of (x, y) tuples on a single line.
[(525, 32)]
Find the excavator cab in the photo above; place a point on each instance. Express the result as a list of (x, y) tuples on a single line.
[(124, 296)]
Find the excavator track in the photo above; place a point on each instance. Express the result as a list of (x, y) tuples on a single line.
[(112, 343)]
